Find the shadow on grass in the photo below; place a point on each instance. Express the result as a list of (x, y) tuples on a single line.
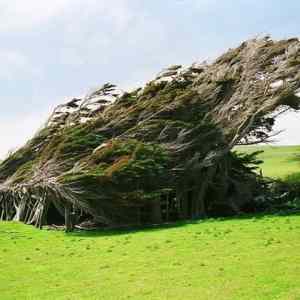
[(127, 230), (153, 228)]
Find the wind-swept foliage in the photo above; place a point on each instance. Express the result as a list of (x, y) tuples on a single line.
[(160, 152)]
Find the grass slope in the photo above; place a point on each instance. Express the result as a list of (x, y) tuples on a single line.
[(246, 258), (279, 161)]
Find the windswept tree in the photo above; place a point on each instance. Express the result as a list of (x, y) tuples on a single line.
[(161, 152)]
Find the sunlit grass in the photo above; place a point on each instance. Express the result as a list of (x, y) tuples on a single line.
[(254, 257), (249, 258), (278, 161)]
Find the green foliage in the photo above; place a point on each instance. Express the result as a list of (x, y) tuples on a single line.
[(151, 89), (281, 163), (146, 167), (289, 98), (129, 165), (120, 153), (128, 99), (24, 172), (113, 150), (248, 161), (293, 178), (79, 140), (10, 165)]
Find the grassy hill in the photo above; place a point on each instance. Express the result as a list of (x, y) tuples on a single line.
[(279, 161), (241, 258), (250, 258)]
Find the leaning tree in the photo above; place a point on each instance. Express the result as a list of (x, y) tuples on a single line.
[(161, 152)]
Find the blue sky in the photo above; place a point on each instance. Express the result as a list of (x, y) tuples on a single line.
[(52, 50)]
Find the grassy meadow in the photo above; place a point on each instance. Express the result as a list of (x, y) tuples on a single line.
[(278, 161), (244, 258), (254, 257)]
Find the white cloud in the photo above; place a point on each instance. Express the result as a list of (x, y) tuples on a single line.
[(20, 15), (16, 131), (13, 64), (290, 124), (80, 26), (24, 14), (88, 35)]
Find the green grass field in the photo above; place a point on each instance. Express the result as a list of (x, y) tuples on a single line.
[(279, 161), (250, 258), (254, 257)]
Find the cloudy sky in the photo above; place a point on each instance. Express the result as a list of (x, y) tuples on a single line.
[(52, 50)]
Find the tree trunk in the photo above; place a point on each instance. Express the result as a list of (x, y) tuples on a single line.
[(201, 207), (68, 218), (156, 212)]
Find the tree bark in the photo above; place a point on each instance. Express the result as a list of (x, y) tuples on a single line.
[(68, 219), (156, 212)]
